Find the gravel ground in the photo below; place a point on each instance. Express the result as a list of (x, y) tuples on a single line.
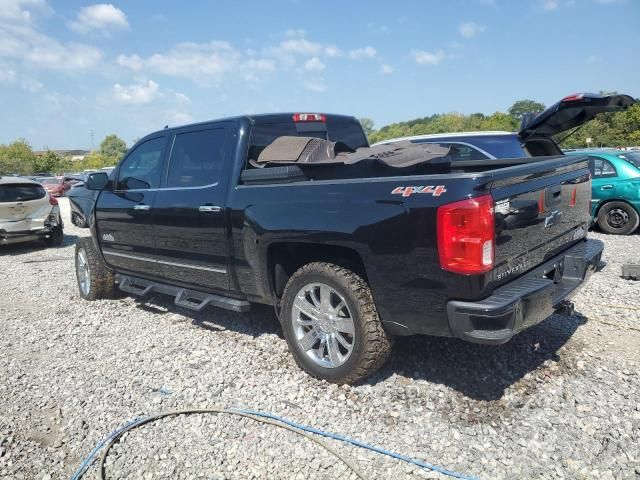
[(559, 401)]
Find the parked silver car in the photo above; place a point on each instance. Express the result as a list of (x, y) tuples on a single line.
[(28, 212)]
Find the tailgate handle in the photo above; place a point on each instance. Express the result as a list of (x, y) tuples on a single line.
[(553, 193)]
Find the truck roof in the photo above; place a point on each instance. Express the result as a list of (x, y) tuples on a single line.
[(256, 118)]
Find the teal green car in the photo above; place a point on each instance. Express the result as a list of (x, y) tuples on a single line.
[(615, 189)]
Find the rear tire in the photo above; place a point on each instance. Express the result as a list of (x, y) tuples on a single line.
[(618, 218), (95, 280), (344, 345), (55, 238)]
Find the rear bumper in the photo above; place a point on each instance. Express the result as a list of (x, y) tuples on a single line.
[(30, 229), (9, 238), (527, 300)]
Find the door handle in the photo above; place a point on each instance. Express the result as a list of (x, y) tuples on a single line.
[(209, 208), (606, 187), (142, 207)]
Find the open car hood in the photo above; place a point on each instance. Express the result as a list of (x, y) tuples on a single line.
[(571, 112)]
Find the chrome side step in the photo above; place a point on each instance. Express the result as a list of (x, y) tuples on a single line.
[(191, 299)]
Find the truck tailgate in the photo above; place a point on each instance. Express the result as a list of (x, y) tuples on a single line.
[(538, 215)]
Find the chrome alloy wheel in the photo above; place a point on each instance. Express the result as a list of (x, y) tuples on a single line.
[(323, 325), (82, 270)]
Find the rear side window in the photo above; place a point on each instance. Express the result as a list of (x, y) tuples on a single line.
[(21, 193), (632, 157), (142, 168), (500, 146), (602, 168), (459, 151), (196, 158)]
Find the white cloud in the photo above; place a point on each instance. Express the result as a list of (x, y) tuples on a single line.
[(22, 43), (386, 69), (7, 76), (428, 58), (549, 5), (470, 29), (366, 52), (295, 45), (203, 62), (332, 51), (138, 93), (101, 17), (134, 62), (174, 117), (593, 59), (182, 98), (316, 85), (314, 65), (261, 64), (23, 11)]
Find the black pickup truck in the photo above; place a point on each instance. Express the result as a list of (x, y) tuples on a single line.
[(350, 251)]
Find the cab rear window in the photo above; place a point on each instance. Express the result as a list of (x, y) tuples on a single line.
[(21, 192), (335, 130)]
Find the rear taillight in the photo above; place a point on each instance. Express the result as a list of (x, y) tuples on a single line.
[(466, 235), (309, 117), (52, 200)]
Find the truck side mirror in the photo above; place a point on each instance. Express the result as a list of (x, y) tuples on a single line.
[(97, 181)]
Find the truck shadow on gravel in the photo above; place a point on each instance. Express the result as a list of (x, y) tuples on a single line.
[(261, 320), (479, 372)]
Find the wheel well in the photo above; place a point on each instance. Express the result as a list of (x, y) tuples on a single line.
[(285, 258), (609, 200)]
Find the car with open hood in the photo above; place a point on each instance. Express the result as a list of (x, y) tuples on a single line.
[(28, 212), (536, 139)]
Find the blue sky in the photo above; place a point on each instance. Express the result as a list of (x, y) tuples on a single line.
[(71, 67)]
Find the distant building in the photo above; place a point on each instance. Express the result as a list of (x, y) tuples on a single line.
[(73, 155)]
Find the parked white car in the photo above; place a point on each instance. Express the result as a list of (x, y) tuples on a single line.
[(28, 213)]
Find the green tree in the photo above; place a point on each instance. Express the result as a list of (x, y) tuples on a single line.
[(113, 146), (17, 157), (518, 109), (367, 126), (500, 121), (49, 162), (95, 161)]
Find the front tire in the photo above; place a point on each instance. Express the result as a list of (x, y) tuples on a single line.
[(331, 324), (95, 280), (618, 218)]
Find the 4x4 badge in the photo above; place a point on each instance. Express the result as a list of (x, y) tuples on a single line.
[(408, 191)]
